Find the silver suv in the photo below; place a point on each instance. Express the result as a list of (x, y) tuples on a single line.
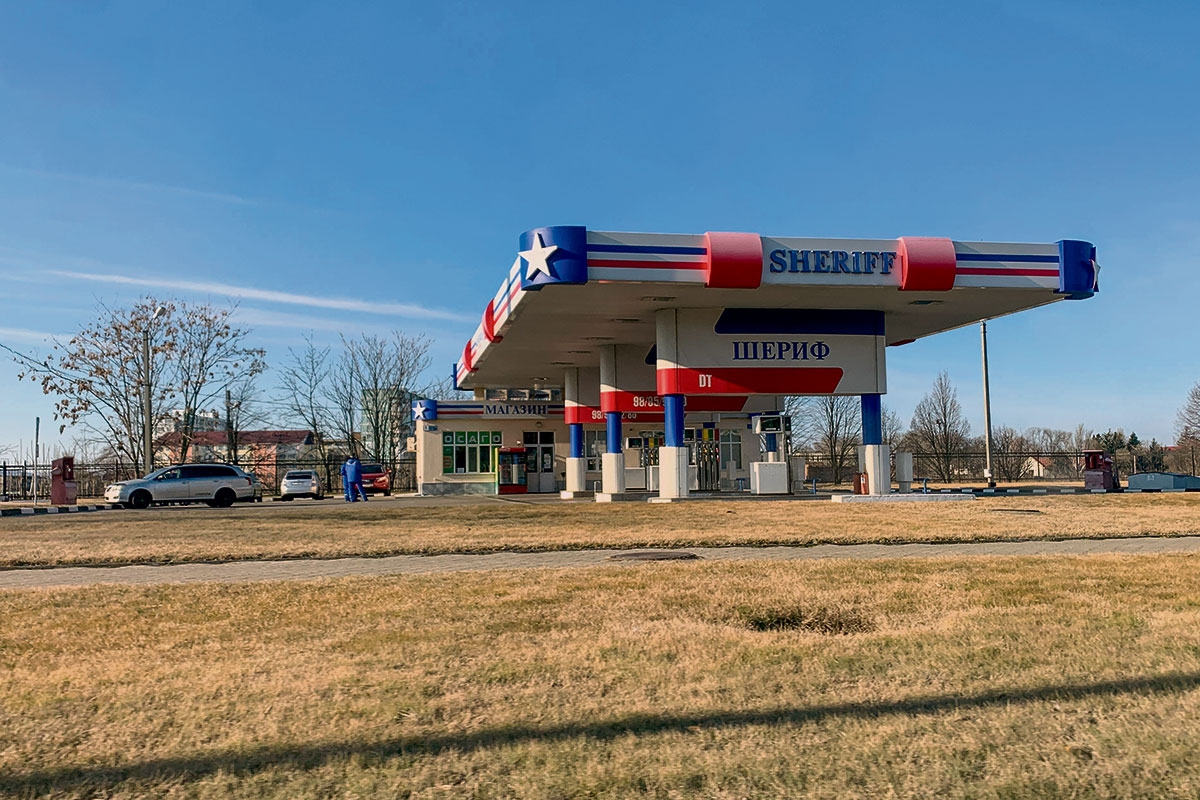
[(216, 484)]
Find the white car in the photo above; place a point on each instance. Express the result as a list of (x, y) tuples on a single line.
[(216, 484), (301, 483)]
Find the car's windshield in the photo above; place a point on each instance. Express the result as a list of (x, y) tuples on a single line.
[(297, 475), (372, 468)]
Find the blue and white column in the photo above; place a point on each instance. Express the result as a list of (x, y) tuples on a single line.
[(877, 456), (673, 480), (576, 458)]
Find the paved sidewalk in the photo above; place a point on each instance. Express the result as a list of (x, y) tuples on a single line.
[(307, 569)]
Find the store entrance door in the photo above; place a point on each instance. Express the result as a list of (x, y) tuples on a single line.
[(539, 461)]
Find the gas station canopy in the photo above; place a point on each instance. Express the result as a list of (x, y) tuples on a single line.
[(571, 292)]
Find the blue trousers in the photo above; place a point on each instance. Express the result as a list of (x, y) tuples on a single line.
[(355, 490)]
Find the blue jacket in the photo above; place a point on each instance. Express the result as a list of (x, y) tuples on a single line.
[(352, 471)]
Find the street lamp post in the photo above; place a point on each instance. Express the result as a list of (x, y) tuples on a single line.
[(987, 410), (147, 425)]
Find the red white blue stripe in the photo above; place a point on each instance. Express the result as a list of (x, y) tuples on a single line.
[(656, 257)]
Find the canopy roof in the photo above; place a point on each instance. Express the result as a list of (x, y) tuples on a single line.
[(570, 290)]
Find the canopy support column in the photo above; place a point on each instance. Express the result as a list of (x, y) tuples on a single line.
[(876, 454), (673, 481)]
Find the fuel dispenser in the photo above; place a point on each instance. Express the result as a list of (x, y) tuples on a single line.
[(641, 461), (63, 488), (771, 476), (704, 459), (510, 471)]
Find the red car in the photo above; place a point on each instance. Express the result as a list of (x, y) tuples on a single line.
[(376, 478)]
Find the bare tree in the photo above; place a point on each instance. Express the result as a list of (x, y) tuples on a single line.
[(98, 375), (303, 382), (939, 428), (893, 427), (443, 389), (831, 426), (1187, 427), (1055, 449), (371, 391), (245, 409), (1188, 418), (1081, 439), (210, 354), (1010, 453)]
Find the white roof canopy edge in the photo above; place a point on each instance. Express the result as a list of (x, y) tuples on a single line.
[(570, 290)]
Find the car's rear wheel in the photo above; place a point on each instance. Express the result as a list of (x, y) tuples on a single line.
[(225, 498), (140, 499), (387, 492)]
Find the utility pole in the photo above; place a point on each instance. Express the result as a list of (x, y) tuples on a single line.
[(147, 426), (987, 409), (37, 437), (147, 411), (231, 452)]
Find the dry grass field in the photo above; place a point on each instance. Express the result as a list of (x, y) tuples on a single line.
[(976, 678), (414, 526)]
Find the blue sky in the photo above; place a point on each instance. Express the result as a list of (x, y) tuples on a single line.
[(377, 162)]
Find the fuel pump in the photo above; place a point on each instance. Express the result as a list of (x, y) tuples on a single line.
[(774, 435), (637, 463), (771, 476)]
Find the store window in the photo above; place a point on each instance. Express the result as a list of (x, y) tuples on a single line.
[(731, 449), (595, 444), (468, 452)]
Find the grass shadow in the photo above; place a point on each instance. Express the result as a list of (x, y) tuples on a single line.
[(97, 778)]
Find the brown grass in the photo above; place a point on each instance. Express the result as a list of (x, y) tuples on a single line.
[(982, 678), (414, 526)]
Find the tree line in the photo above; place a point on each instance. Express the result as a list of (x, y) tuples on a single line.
[(830, 429), (355, 397), (198, 363)]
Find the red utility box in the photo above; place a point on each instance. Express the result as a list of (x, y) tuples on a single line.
[(1098, 471), (63, 491)]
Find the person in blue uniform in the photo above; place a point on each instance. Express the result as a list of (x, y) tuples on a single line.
[(352, 481)]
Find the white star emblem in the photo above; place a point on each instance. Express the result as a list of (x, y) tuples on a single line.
[(537, 256), (1095, 276)]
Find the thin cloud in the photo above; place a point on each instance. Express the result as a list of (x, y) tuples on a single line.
[(270, 296), (24, 335), (135, 185), (261, 317)]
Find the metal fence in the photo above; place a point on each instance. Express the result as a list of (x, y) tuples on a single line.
[(271, 471), (17, 483), (968, 467)]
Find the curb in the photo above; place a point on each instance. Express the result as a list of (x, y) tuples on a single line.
[(1064, 490), (42, 510)]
